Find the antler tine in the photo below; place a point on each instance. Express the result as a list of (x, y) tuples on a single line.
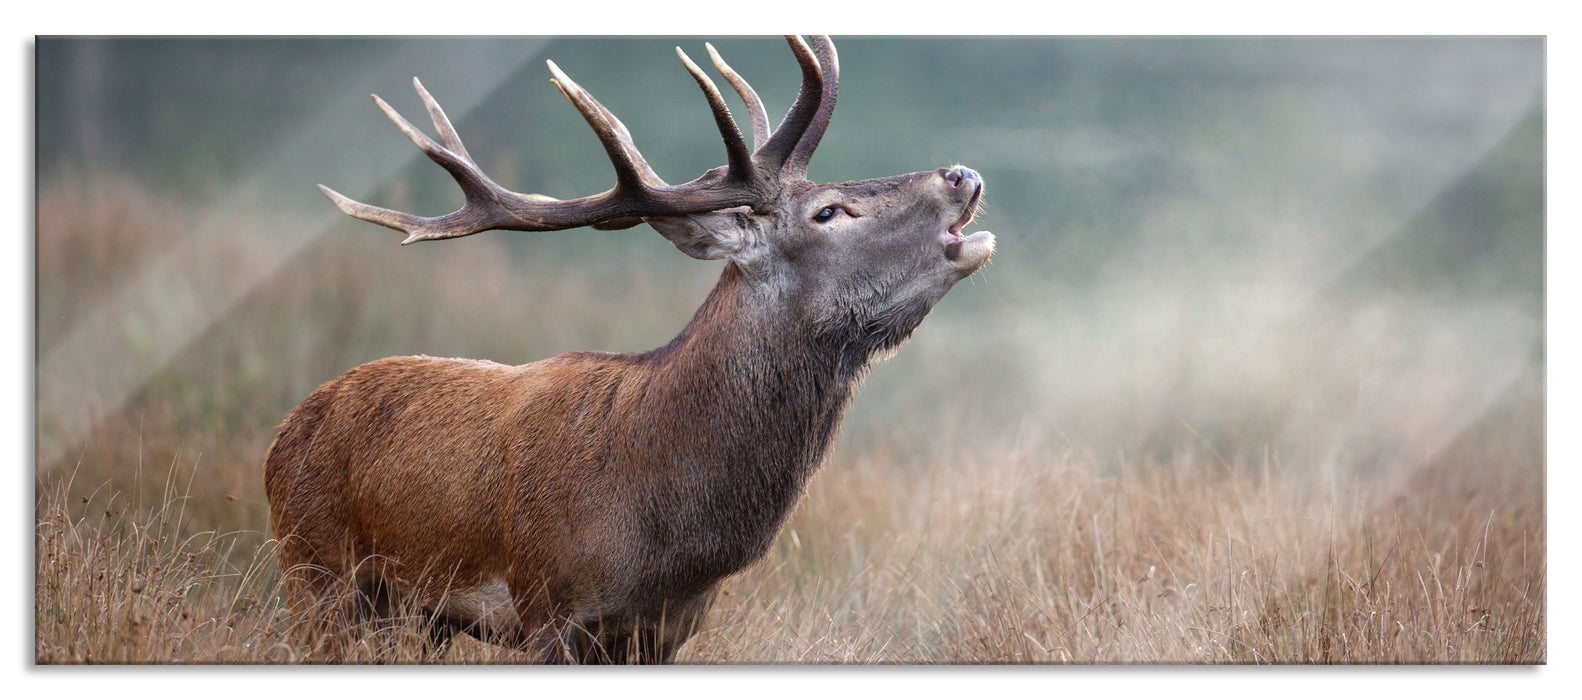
[(755, 106), (447, 133), (738, 158), (389, 218), (628, 174), (479, 214), (461, 168), (773, 154), (625, 138), (830, 63)]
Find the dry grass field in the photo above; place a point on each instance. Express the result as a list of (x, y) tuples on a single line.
[(938, 533)]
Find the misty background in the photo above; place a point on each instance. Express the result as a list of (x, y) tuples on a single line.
[(1325, 249)]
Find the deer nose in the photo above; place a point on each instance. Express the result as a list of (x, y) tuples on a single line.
[(962, 176)]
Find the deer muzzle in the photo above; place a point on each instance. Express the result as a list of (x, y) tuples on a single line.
[(966, 253)]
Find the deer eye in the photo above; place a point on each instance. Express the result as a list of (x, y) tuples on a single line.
[(827, 213)]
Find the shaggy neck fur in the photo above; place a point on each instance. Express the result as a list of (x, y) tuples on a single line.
[(759, 396)]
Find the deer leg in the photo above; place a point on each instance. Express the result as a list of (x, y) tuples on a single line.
[(540, 633), (649, 646), (663, 639), (597, 641)]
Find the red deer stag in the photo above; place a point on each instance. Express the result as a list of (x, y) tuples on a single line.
[(586, 507)]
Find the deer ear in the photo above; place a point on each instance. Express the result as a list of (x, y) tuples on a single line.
[(709, 236)]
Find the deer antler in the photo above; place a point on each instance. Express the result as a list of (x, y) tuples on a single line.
[(755, 106), (825, 50), (749, 178)]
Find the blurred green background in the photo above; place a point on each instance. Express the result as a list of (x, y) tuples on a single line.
[(1326, 249)]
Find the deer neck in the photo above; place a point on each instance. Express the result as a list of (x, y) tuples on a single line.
[(752, 400), (761, 373)]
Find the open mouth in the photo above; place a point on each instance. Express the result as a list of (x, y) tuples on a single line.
[(968, 213)]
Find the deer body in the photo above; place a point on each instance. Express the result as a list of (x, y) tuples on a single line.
[(587, 506)]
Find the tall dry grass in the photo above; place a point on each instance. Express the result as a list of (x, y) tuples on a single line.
[(981, 543), (1038, 553)]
